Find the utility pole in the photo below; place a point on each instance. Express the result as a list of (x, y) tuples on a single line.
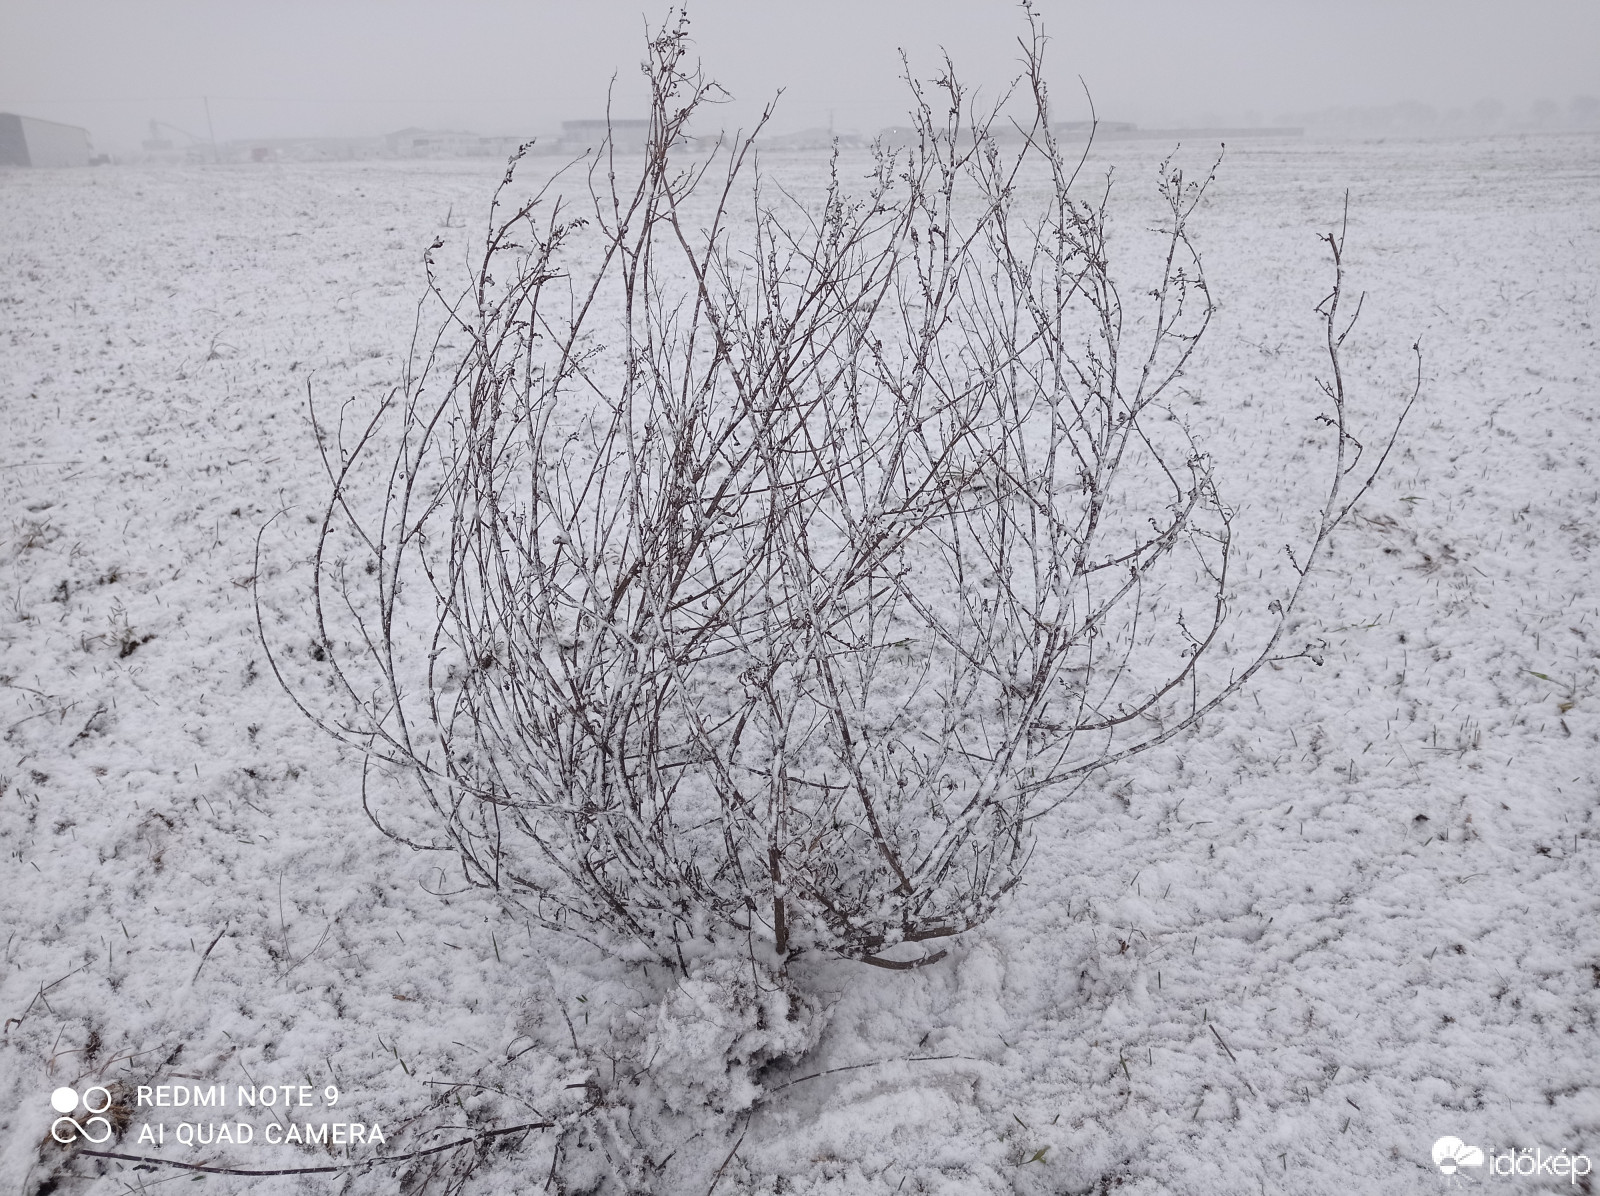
[(216, 158)]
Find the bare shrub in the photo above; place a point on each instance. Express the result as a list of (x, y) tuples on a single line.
[(753, 571)]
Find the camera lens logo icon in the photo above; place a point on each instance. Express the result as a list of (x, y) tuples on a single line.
[(81, 1115)]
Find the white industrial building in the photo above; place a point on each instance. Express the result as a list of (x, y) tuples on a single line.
[(626, 136), (27, 141)]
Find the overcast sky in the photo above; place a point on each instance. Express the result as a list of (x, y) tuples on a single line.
[(313, 67)]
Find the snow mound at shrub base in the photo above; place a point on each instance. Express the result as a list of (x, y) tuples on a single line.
[(719, 1027)]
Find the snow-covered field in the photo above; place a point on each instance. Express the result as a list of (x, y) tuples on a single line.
[(1357, 912)]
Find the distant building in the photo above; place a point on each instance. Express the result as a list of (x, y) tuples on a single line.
[(627, 136), (302, 149), (811, 140), (405, 142), (446, 143), (1005, 133), (27, 141)]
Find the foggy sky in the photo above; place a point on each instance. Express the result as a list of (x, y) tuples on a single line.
[(359, 67)]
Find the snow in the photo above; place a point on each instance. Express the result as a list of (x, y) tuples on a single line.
[(1358, 911)]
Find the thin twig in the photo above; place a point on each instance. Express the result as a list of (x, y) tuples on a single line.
[(207, 954)]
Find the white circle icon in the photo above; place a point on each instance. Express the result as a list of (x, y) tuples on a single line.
[(63, 1100), (104, 1104)]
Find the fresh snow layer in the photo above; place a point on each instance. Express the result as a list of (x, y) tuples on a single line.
[(1356, 912)]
